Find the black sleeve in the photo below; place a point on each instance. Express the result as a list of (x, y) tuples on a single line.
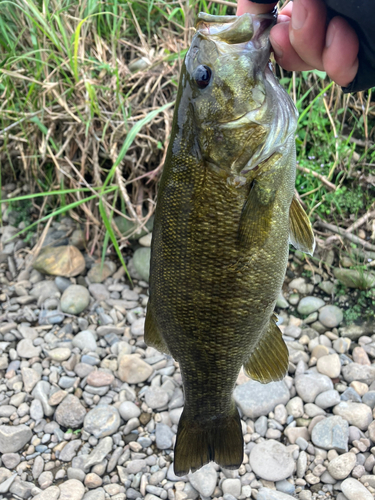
[(360, 15)]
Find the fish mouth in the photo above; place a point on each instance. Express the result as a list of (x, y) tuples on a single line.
[(237, 29)]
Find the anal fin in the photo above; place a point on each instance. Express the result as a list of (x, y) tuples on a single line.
[(153, 336), (301, 233), (269, 361)]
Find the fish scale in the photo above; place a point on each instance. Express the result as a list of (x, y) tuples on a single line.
[(221, 233)]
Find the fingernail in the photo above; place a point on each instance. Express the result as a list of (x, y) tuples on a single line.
[(331, 31), (299, 15), (277, 50)]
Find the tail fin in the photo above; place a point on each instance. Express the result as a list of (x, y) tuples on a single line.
[(218, 439)]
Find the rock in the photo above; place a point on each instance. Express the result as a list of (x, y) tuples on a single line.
[(331, 316), (92, 480), (45, 290), (301, 286), (30, 378), (99, 378), (329, 365), (45, 479), (145, 240), (268, 494), (70, 450), (341, 466), (271, 460), (327, 399), (293, 433), (51, 493), (138, 327), (156, 397), (36, 410), (360, 373), (354, 490), (360, 356), (355, 279), (104, 420), (99, 291), (141, 262), (295, 407), (85, 340), (371, 431), (14, 438), (342, 345), (70, 413), (27, 350), (369, 399), (282, 302), (328, 287), (75, 299), (129, 410), (41, 393), (136, 466), (11, 460), (353, 331), (64, 261), (331, 433), (204, 480), (83, 369), (357, 414), (132, 369), (62, 283), (71, 490), (99, 453), (60, 354), (164, 437), (231, 487), (97, 494), (38, 467), (256, 399), (77, 239), (293, 331), (101, 271), (21, 489), (7, 483), (309, 385), (129, 228), (308, 305)]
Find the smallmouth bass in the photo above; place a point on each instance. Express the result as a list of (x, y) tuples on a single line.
[(225, 215)]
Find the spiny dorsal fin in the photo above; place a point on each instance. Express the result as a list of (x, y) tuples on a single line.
[(301, 233), (269, 361)]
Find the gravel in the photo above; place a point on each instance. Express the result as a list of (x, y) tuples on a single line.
[(88, 411)]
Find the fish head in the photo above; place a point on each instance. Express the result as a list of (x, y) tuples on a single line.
[(225, 68)]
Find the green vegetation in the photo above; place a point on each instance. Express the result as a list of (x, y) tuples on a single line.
[(86, 99)]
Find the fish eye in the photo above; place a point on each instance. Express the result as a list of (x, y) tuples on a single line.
[(202, 76)]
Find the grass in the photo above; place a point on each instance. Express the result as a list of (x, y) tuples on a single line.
[(86, 94)]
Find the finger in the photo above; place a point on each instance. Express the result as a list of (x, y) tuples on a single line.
[(245, 6), (287, 10), (307, 31), (340, 53), (285, 54)]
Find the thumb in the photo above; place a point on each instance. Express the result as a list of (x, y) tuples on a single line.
[(246, 6)]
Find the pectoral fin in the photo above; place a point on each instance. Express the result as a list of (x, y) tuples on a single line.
[(256, 217), (153, 336), (269, 361), (301, 233)]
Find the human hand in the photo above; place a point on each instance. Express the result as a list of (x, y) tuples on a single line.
[(301, 39)]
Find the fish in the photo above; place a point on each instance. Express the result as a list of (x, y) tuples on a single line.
[(226, 212)]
